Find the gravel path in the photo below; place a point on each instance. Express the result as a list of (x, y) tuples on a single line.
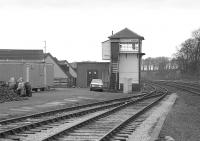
[(183, 121)]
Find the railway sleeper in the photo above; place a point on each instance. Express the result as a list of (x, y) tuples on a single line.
[(119, 138), (77, 138), (85, 134), (122, 135), (35, 130), (11, 137)]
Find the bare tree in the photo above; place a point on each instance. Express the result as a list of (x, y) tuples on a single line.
[(188, 56)]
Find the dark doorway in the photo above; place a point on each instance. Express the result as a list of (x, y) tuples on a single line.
[(91, 74)]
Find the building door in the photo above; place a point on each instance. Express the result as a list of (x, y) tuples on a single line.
[(91, 74)]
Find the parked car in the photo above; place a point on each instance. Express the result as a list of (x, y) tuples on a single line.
[(96, 84)]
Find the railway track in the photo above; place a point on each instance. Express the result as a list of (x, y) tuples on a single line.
[(193, 88), (80, 123)]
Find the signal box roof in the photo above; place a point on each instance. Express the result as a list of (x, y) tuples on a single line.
[(126, 33)]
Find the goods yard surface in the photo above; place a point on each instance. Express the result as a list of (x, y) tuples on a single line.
[(54, 99)]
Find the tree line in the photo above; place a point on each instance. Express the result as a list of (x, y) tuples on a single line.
[(188, 56), (186, 59), (158, 64)]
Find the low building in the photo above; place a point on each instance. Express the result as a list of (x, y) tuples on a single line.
[(86, 71), (65, 65), (64, 75), (28, 64)]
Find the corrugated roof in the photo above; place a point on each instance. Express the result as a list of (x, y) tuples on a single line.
[(63, 67), (126, 33), (66, 70), (67, 66), (12, 54)]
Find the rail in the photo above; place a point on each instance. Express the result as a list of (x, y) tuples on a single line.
[(34, 125)]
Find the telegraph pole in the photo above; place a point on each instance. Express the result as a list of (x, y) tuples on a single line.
[(45, 47), (45, 67)]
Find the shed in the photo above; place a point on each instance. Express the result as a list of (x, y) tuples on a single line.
[(64, 76), (65, 65), (86, 71), (28, 64)]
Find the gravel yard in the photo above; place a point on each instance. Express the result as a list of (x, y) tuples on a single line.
[(183, 121), (59, 98)]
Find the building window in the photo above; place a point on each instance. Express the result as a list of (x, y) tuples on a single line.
[(129, 46)]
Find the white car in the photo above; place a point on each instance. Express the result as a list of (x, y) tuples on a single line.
[(96, 84)]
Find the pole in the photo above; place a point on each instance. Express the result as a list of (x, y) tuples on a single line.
[(45, 70), (45, 47)]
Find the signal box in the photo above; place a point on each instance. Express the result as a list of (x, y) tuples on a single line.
[(124, 50)]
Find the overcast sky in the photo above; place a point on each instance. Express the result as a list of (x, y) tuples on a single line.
[(74, 29)]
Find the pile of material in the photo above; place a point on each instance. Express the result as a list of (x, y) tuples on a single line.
[(9, 95)]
